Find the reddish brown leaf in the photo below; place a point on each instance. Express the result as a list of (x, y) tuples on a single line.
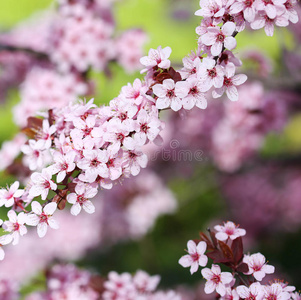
[(237, 249), (204, 238), (218, 257), (227, 252), (176, 76), (33, 126), (213, 238), (243, 268)]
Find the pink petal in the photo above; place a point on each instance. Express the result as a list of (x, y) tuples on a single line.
[(191, 247), (208, 39), (194, 267), (228, 28), (239, 79), (221, 289), (201, 247), (209, 287), (42, 229), (50, 208), (53, 223), (232, 93), (89, 207), (186, 261), (271, 11), (75, 209), (230, 42), (216, 48), (207, 273)]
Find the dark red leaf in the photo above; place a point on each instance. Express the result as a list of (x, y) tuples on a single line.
[(237, 249), (243, 268), (227, 252), (204, 238), (218, 257)]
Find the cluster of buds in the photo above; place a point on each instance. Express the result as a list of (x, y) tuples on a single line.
[(74, 150), (224, 246)]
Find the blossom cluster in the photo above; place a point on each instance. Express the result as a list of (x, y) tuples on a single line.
[(76, 149), (54, 53), (224, 246), (68, 282)]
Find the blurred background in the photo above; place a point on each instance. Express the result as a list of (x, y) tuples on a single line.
[(233, 161)]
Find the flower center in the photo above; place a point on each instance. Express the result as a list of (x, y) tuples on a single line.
[(220, 37), (227, 81), (248, 3), (216, 279), (212, 73), (193, 90), (43, 218), (170, 94), (81, 199), (144, 128)]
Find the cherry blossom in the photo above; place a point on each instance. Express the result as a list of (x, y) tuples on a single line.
[(166, 95), (262, 20), (15, 225), (192, 93), (8, 196), (63, 164), (42, 183), (195, 256), (158, 57), (276, 292), (211, 8), (254, 291), (4, 240), (217, 37), (230, 82), (216, 280), (80, 199), (248, 7), (229, 230), (42, 217), (258, 266), (211, 73)]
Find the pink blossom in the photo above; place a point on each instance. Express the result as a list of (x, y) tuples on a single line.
[(35, 155), (230, 82), (80, 199), (229, 230), (192, 93), (216, 280), (157, 57), (166, 95), (4, 240), (144, 282), (211, 73), (7, 196), (272, 8), (134, 93), (258, 266), (262, 20), (94, 164), (211, 8), (134, 160), (42, 217), (41, 184), (217, 37), (248, 7), (275, 292), (15, 225), (147, 127), (254, 291), (195, 256), (63, 164)]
